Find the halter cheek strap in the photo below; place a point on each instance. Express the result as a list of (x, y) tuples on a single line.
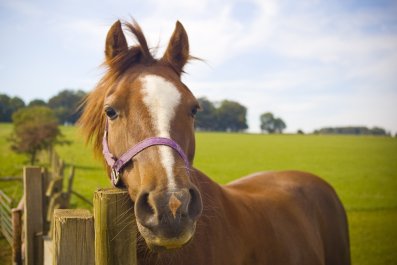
[(117, 164)]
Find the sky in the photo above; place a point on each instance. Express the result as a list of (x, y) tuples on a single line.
[(314, 63)]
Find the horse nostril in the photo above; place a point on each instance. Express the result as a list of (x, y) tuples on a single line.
[(195, 205), (144, 211)]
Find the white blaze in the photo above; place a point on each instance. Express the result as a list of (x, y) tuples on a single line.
[(161, 98)]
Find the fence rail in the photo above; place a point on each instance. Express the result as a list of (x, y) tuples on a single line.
[(25, 226), (5, 216), (106, 237), (11, 179)]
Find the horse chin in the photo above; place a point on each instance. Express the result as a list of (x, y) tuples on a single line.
[(158, 243)]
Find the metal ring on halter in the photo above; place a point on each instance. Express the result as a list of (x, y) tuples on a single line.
[(116, 180)]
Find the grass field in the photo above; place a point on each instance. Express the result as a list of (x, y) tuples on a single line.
[(363, 171)]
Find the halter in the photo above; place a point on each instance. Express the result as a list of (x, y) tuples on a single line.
[(117, 164)]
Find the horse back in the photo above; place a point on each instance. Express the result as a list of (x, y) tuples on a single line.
[(307, 219)]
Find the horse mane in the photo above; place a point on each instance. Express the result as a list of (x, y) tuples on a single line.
[(92, 121)]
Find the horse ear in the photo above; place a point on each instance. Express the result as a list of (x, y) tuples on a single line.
[(177, 53), (115, 42)]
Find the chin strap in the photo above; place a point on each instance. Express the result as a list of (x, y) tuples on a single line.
[(117, 164)]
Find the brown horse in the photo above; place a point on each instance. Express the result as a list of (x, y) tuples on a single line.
[(141, 116)]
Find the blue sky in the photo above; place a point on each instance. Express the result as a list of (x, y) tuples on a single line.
[(314, 63)]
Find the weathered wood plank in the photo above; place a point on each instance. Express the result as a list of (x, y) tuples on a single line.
[(115, 228), (33, 217), (17, 236), (70, 181), (73, 237), (48, 250)]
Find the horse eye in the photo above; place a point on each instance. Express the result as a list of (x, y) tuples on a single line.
[(194, 111), (111, 113)]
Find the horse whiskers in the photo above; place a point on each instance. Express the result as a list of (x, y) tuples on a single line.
[(144, 251), (125, 215), (122, 199), (127, 200), (188, 169), (121, 230)]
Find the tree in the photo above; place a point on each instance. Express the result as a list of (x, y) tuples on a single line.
[(271, 124), (378, 131), (267, 122), (5, 110), (231, 116), (279, 125), (228, 116), (35, 129), (37, 102), (206, 118), (65, 105), (8, 106)]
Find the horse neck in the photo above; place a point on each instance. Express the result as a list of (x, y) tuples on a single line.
[(214, 195), (205, 183)]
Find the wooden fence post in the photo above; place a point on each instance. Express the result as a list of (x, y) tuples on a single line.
[(17, 236), (33, 216), (73, 237), (115, 228)]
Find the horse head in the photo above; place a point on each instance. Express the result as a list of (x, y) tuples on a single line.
[(141, 116)]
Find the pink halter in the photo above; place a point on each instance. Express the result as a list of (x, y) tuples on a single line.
[(117, 164)]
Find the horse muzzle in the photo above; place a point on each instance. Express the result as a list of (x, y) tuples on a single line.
[(167, 219)]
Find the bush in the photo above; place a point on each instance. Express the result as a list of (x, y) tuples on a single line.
[(35, 129)]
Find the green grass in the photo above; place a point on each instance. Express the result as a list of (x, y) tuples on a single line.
[(363, 171), (10, 163), (373, 236), (90, 173)]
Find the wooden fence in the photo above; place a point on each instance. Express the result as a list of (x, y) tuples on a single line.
[(25, 226), (5, 216), (42, 232), (108, 237)]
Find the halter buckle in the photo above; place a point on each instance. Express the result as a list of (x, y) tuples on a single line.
[(115, 175)]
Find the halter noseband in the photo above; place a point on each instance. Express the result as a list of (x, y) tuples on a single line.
[(117, 164)]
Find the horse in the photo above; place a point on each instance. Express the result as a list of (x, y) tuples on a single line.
[(141, 117)]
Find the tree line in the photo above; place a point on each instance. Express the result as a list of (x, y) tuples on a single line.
[(64, 105), (231, 116), (224, 116), (36, 123), (353, 130), (227, 115)]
